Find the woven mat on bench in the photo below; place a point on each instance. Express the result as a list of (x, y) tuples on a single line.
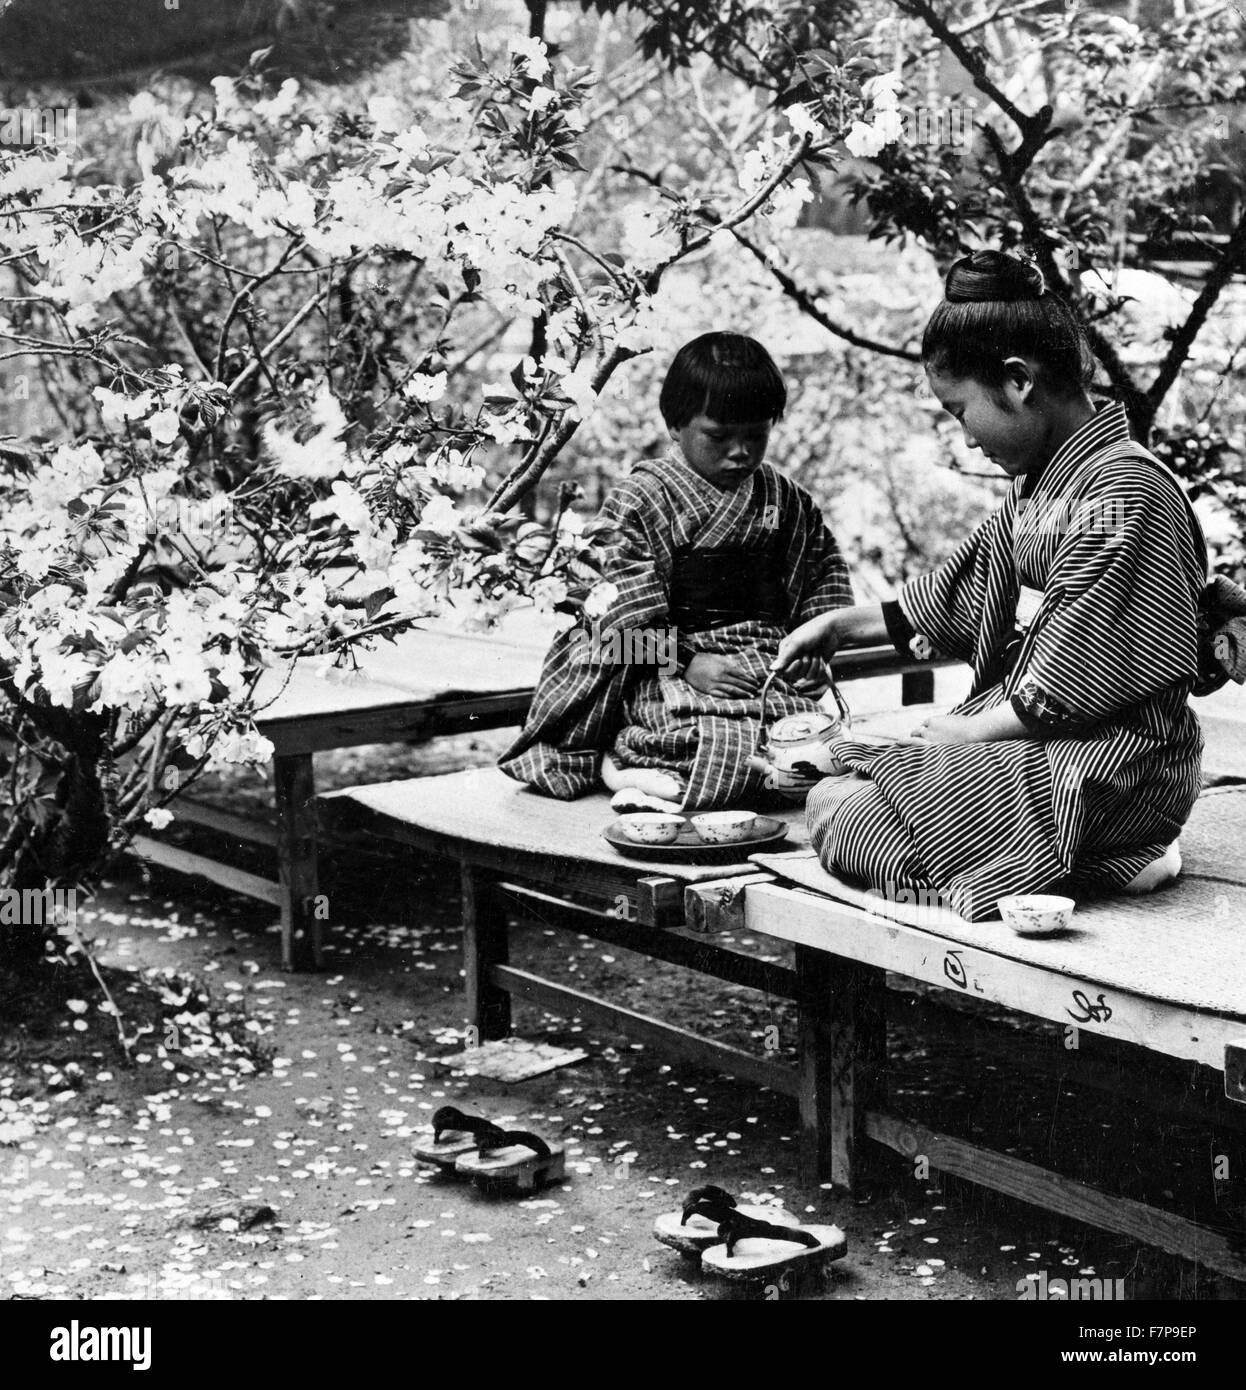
[(484, 806), (1185, 944)]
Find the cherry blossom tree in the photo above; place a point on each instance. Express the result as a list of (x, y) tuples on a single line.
[(254, 466)]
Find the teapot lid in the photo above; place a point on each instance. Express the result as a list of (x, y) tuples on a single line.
[(792, 728)]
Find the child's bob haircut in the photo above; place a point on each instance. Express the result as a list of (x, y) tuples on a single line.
[(725, 376), (996, 306)]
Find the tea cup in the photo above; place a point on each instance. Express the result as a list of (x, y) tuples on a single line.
[(724, 827), (651, 827), (1037, 914)]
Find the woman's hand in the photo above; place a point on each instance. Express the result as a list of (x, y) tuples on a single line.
[(987, 726), (805, 668), (814, 641), (949, 728), (724, 676)]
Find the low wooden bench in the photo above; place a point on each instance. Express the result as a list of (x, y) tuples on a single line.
[(429, 684), (525, 853), (1163, 974)]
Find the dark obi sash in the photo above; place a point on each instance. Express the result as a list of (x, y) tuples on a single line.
[(717, 587)]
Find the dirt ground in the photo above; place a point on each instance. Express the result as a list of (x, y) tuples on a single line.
[(259, 1147)]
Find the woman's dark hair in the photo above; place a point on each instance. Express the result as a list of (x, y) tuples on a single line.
[(726, 376), (997, 306)]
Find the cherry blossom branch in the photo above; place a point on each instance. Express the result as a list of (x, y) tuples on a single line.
[(611, 270), (527, 473), (807, 304), (241, 298), (757, 199), (286, 333), (1232, 258)]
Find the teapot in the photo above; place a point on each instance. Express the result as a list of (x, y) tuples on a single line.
[(797, 750)]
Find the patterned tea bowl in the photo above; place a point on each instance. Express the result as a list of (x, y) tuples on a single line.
[(724, 827), (1037, 914), (651, 827)]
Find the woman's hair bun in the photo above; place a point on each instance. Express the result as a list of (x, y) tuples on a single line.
[(993, 276)]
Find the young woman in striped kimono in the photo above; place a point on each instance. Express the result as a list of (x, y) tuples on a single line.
[(714, 556), (1076, 759)]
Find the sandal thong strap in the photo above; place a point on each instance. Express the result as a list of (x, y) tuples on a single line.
[(451, 1118), (737, 1226), (712, 1211), (710, 1196), (497, 1138)]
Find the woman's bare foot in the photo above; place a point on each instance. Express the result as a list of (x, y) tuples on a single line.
[(1158, 871)]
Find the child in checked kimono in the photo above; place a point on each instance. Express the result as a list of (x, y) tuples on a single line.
[(1076, 759), (714, 556)]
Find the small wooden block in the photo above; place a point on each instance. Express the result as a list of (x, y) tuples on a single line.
[(719, 905), (510, 1059), (515, 1167), (1235, 1070), (657, 902), (444, 1154)]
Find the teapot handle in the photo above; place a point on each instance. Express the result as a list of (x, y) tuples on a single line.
[(765, 690), (845, 713)]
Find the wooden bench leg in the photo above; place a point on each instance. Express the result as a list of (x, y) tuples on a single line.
[(842, 1063), (301, 940), (484, 946)]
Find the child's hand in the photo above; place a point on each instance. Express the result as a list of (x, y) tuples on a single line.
[(723, 676)]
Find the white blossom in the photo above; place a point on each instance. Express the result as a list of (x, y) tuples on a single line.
[(164, 426), (864, 141), (600, 597), (440, 515), (531, 53), (386, 113), (282, 104), (802, 121), (425, 387)]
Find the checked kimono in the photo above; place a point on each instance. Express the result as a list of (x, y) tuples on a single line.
[(726, 572), (1078, 601)]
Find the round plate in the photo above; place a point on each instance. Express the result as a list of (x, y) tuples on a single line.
[(688, 845)]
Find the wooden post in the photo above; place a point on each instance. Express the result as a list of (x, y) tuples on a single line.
[(484, 946), (842, 1063), (295, 785), (917, 688), (1235, 1070)]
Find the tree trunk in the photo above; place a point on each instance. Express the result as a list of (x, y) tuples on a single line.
[(71, 849)]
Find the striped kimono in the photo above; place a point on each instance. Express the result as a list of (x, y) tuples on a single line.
[(1078, 602), (586, 704)]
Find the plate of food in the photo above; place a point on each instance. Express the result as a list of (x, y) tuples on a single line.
[(712, 835)]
